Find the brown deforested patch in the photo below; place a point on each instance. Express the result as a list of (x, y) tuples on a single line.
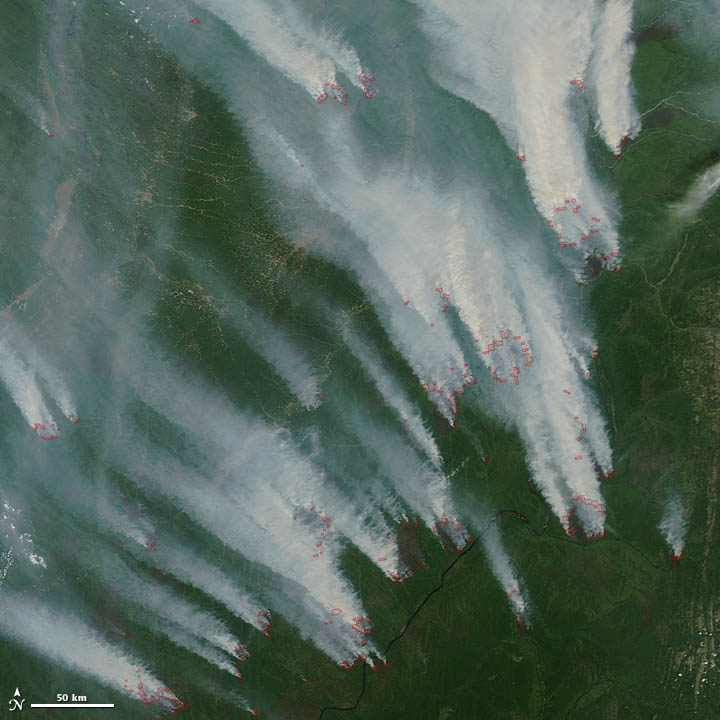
[(575, 528), (409, 550), (442, 424), (656, 32), (647, 461), (660, 117), (593, 267)]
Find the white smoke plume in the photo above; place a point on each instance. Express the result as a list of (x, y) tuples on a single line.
[(673, 525), (20, 381), (426, 252), (700, 192), (403, 284), (465, 290), (31, 106), (306, 54), (289, 513), (193, 569), (528, 83), (178, 559), (56, 386), (286, 355), (290, 361), (74, 645), (183, 623), (504, 572), (268, 536), (25, 373), (438, 242), (618, 119), (424, 488), (395, 396)]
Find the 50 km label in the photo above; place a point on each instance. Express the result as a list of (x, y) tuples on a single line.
[(64, 697)]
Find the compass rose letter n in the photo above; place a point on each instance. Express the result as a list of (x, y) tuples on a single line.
[(14, 703)]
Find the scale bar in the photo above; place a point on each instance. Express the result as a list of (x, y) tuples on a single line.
[(81, 705)]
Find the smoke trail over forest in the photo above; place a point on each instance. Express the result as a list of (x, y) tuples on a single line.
[(430, 253), (673, 525), (63, 638), (617, 118), (534, 87), (278, 326), (701, 191), (501, 567)]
